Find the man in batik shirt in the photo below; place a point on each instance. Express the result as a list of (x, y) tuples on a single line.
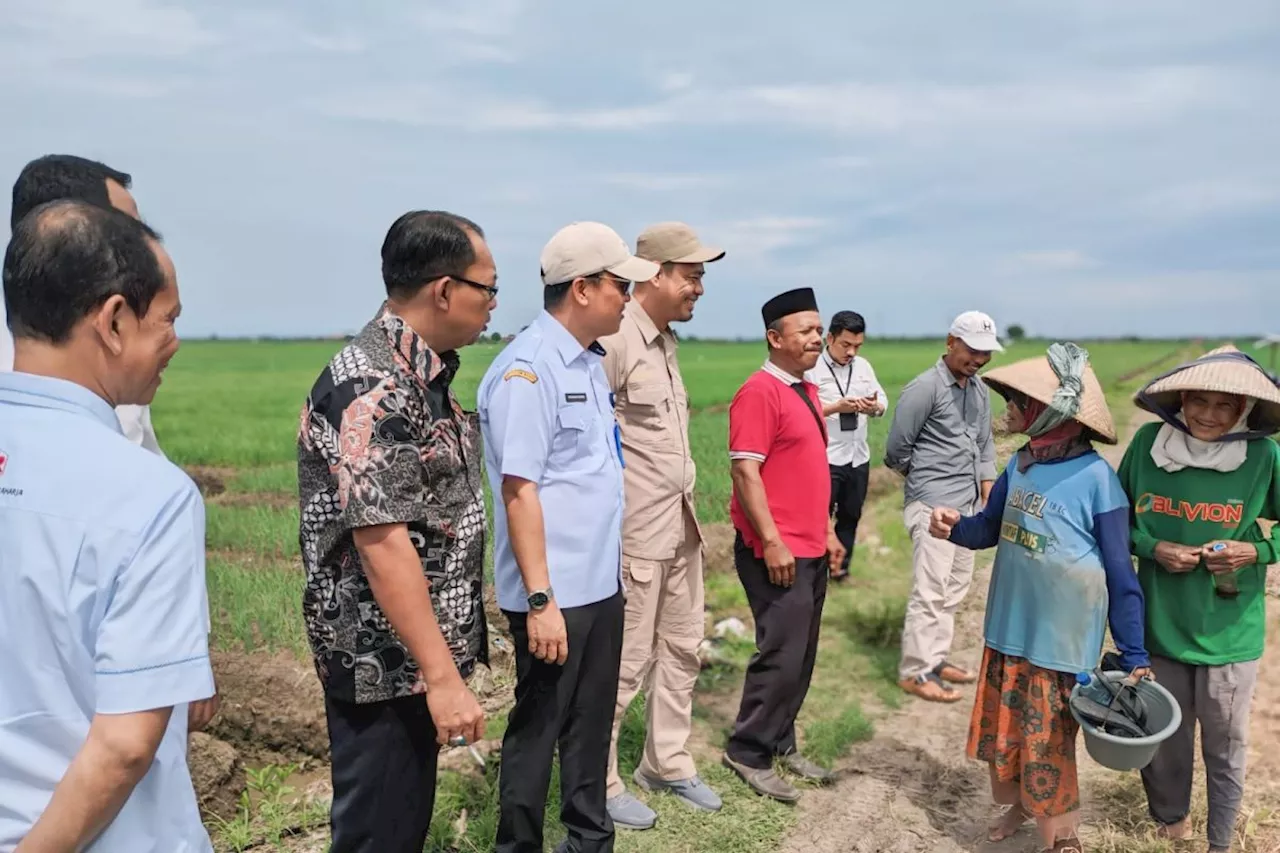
[(392, 535)]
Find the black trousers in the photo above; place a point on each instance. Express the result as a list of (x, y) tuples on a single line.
[(788, 620), (848, 494), (384, 775), (569, 706)]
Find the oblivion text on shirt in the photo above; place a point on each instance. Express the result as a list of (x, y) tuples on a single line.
[(1228, 514)]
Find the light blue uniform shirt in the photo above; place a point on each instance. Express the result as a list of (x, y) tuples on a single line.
[(102, 609), (546, 414)]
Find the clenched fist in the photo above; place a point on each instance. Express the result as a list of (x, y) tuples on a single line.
[(942, 521)]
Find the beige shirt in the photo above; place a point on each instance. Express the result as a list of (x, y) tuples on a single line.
[(653, 414)]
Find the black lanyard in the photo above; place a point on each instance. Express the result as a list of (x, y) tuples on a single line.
[(844, 392)]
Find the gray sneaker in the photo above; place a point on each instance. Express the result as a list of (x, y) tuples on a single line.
[(629, 813), (693, 792), (765, 782), (806, 769)]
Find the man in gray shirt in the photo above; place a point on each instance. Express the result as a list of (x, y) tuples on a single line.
[(941, 442)]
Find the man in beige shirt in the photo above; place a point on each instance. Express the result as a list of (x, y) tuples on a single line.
[(661, 540)]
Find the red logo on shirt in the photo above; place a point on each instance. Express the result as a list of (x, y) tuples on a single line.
[(4, 459)]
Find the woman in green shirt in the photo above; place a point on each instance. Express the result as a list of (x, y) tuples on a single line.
[(1198, 482)]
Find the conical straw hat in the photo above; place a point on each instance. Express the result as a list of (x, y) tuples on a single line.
[(1036, 379), (1237, 376)]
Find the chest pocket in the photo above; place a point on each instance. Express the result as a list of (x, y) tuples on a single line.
[(575, 429), (647, 412)]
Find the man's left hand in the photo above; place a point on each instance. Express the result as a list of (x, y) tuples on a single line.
[(835, 552), (201, 712), (1233, 556)]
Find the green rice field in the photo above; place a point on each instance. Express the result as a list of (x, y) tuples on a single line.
[(228, 411)]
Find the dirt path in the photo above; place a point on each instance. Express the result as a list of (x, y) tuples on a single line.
[(910, 789)]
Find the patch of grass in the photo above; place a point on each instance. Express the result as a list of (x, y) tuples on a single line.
[(269, 812), (280, 478), (256, 605), (826, 740), (256, 529)]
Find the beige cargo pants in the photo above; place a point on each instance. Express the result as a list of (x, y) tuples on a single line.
[(664, 626)]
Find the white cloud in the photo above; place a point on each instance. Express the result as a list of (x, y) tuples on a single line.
[(764, 234), (662, 183), (1052, 260), (1099, 101), (1207, 198), (134, 28)]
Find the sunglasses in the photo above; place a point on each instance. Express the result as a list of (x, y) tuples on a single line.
[(624, 286)]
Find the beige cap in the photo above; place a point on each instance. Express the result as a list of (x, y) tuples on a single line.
[(587, 248), (674, 242)]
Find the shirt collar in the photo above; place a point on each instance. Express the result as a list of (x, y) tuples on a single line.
[(566, 344), (408, 345), (833, 364), (46, 392), (779, 374), (648, 329), (945, 372)]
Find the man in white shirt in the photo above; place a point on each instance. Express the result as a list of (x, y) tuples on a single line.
[(850, 394), (65, 176)]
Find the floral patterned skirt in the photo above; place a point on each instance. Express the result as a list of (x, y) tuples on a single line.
[(1023, 728)]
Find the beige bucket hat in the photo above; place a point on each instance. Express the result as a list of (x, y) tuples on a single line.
[(1036, 379), (1226, 370)]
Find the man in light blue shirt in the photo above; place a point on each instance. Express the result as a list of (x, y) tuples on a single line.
[(58, 176), (554, 459), (103, 616)]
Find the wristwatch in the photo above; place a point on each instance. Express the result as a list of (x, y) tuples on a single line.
[(540, 598)]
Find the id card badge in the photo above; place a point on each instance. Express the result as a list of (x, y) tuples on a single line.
[(848, 421)]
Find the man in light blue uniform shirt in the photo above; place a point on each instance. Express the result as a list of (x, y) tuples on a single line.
[(104, 620), (554, 459)]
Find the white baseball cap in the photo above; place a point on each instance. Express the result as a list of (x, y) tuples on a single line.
[(587, 248), (978, 331)]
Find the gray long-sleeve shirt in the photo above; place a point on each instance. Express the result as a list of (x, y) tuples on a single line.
[(941, 439)]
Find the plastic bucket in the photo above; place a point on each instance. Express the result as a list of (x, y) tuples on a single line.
[(1133, 753)]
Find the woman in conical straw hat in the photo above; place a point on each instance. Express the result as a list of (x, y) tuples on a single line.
[(1059, 521), (1199, 479)]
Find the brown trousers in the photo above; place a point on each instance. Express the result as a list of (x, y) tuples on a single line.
[(664, 626)]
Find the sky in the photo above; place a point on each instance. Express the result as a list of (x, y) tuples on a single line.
[(1089, 168)]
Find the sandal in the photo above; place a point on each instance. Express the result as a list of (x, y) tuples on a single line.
[(948, 671), (1066, 845), (1002, 827), (930, 688)]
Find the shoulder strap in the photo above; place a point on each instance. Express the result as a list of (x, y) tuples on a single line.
[(822, 427)]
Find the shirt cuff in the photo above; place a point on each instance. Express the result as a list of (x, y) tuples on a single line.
[(746, 454), (148, 688), (1144, 545)]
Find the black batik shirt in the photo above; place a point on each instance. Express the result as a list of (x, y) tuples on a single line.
[(383, 440)]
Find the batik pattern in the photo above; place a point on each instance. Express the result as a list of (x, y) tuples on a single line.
[(383, 440), (1022, 726)]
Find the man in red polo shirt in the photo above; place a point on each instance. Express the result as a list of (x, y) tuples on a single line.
[(785, 542)]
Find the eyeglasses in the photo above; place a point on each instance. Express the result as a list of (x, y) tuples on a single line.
[(622, 284), (491, 289)]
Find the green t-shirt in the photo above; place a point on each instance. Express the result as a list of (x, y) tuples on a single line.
[(1186, 620)]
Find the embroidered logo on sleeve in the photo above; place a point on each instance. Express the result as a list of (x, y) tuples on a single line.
[(519, 373)]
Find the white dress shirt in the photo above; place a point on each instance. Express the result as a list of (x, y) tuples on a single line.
[(834, 381), (135, 421)]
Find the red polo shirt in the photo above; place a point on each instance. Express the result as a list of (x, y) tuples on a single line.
[(768, 421)]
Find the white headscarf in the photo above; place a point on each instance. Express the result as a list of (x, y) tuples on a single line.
[(1174, 449)]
